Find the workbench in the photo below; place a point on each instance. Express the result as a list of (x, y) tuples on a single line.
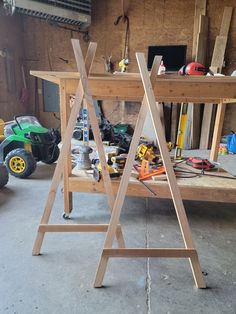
[(168, 88)]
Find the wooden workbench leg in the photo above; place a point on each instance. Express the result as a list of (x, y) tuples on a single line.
[(124, 182), (220, 114), (83, 68), (65, 150), (65, 114)]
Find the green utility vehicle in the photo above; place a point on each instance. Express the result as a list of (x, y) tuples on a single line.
[(25, 142)]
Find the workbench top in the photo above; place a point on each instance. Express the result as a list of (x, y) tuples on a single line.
[(129, 87), (200, 188)]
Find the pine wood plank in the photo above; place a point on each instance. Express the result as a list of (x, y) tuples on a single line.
[(64, 116), (201, 50), (150, 252), (198, 189), (205, 129), (200, 9), (220, 114), (202, 40), (218, 54), (73, 228), (166, 88), (217, 62), (226, 20)]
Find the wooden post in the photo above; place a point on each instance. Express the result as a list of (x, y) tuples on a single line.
[(220, 114), (65, 114), (199, 55), (200, 9), (216, 67)]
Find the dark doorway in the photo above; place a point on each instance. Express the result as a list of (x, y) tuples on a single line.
[(174, 57)]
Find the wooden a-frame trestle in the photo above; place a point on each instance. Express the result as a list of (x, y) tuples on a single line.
[(189, 251), (82, 93), (115, 204)]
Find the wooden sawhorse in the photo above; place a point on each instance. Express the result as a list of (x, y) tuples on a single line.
[(113, 228)]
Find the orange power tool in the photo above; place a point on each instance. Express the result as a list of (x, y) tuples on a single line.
[(144, 172)]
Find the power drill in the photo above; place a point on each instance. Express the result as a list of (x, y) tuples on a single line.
[(123, 64)]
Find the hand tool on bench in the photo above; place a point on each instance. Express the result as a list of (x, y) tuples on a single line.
[(144, 172)]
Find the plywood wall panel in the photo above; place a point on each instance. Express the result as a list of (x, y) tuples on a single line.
[(152, 22), (11, 39)]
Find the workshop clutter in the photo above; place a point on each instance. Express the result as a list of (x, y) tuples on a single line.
[(115, 166), (222, 149), (147, 163), (228, 144), (231, 143), (119, 134)]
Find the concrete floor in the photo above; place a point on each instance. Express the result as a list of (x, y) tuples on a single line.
[(60, 281)]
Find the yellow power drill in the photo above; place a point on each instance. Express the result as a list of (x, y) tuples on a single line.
[(123, 64)]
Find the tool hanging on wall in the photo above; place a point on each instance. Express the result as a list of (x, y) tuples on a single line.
[(124, 62), (108, 64)]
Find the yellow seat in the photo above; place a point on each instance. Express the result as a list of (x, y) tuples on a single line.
[(2, 124)]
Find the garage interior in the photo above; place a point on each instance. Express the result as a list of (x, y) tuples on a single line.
[(63, 208)]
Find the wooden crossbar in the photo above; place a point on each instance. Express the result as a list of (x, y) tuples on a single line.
[(74, 228), (150, 252)]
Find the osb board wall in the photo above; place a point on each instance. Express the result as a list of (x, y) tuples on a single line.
[(11, 59), (152, 22), (214, 12)]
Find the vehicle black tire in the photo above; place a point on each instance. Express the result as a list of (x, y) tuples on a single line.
[(20, 163), (55, 155), (4, 176)]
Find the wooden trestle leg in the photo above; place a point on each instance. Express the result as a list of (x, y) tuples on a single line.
[(220, 114), (81, 93), (189, 251), (124, 180), (96, 132)]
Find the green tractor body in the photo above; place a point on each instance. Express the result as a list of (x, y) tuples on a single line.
[(26, 142)]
